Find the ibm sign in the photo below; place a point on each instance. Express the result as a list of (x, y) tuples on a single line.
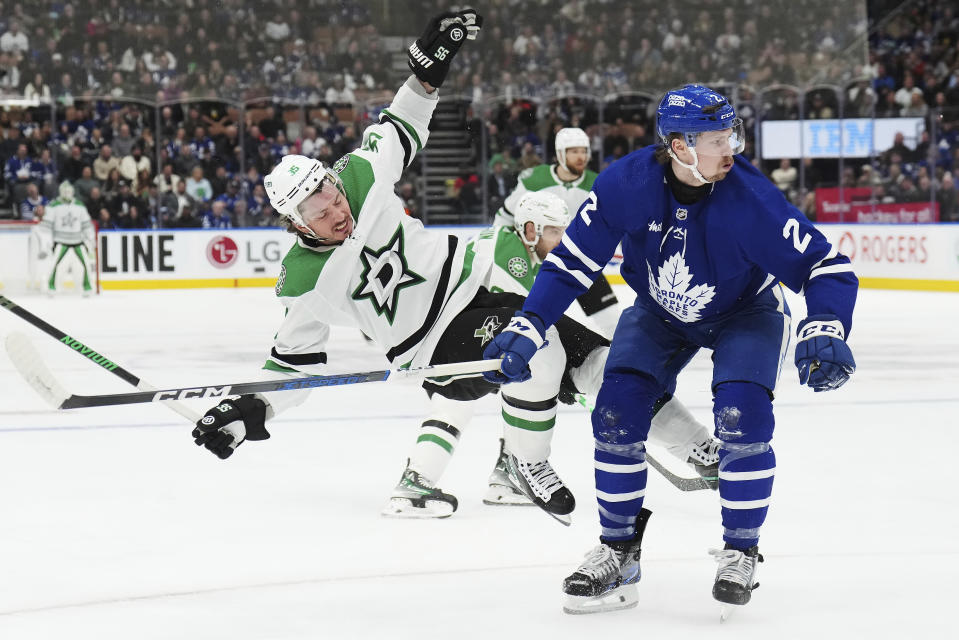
[(852, 138)]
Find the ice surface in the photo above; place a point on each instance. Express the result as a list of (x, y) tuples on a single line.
[(114, 525)]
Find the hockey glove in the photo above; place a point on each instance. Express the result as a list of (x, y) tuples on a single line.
[(822, 355), (516, 345), (430, 56), (224, 427)]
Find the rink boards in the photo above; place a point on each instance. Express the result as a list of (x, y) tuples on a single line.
[(885, 256)]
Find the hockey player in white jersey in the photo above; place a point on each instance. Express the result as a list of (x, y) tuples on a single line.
[(70, 230), (515, 255), (570, 179), (360, 261)]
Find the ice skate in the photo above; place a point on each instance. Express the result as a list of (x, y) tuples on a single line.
[(606, 580), (735, 577), (538, 482), (703, 458), (416, 497), (502, 491)]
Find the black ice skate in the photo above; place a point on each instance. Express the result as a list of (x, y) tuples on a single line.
[(502, 491), (416, 497), (606, 581), (542, 486), (704, 460), (735, 577)]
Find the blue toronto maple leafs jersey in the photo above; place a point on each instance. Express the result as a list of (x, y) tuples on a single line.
[(692, 262)]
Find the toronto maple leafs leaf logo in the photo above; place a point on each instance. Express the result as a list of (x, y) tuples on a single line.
[(672, 291)]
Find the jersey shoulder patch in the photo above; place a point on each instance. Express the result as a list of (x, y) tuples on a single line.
[(300, 270)]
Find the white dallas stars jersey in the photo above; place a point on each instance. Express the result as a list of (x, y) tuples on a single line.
[(392, 279), (513, 267), (544, 178)]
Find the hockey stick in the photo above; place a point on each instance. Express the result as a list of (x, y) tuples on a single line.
[(28, 362), (680, 482), (28, 359)]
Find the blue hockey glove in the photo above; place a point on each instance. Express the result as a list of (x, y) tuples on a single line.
[(822, 355), (516, 345)]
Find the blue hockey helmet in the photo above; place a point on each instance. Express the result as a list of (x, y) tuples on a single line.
[(696, 109)]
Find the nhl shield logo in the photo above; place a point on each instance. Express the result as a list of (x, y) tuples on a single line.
[(518, 267), (681, 214)]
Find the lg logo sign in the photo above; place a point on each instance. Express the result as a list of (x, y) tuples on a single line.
[(222, 252)]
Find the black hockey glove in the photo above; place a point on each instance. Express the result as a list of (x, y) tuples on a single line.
[(430, 56), (225, 426)]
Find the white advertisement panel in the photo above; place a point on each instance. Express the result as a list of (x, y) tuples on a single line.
[(191, 257), (854, 137), (920, 256)]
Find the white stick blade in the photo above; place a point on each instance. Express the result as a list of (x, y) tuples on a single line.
[(28, 362)]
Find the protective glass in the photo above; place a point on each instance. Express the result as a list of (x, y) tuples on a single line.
[(725, 142)]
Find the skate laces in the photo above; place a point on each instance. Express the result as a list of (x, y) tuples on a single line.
[(735, 566), (544, 479), (601, 563)]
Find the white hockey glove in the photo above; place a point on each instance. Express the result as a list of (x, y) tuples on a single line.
[(430, 56), (224, 427)]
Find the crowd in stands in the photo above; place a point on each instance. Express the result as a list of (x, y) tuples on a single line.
[(540, 66)]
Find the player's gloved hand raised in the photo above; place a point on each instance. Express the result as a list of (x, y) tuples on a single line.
[(224, 427), (516, 345), (430, 56), (822, 355)]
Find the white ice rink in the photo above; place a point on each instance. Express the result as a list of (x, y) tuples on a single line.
[(113, 525)]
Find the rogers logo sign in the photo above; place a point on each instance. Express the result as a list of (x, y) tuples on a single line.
[(890, 248), (222, 252)]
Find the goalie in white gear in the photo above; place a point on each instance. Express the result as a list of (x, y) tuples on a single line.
[(516, 255), (68, 225), (570, 179)]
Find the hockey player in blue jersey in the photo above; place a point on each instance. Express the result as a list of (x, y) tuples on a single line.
[(706, 240)]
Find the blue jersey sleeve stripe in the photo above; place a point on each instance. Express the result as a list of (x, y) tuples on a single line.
[(832, 268), (580, 277), (576, 251), (833, 252)]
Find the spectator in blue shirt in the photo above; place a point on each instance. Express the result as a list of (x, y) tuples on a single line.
[(217, 217), (31, 208)]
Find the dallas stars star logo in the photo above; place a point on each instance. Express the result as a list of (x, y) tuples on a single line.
[(385, 274), (485, 333)]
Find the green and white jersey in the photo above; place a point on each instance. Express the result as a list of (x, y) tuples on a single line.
[(394, 280), (67, 222), (544, 178), (514, 266)]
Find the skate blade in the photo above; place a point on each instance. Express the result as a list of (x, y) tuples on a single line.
[(404, 508), (625, 597), (726, 611), (565, 520), (500, 496)]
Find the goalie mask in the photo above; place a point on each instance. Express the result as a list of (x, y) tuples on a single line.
[(295, 179), (543, 210), (66, 191), (570, 138), (706, 121)]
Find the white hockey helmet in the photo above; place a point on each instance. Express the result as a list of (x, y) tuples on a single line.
[(543, 209), (66, 190), (570, 138), (295, 179)]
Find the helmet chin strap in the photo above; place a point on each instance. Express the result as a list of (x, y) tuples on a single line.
[(692, 167)]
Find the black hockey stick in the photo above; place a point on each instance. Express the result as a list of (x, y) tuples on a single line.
[(28, 354), (681, 483), (31, 366)]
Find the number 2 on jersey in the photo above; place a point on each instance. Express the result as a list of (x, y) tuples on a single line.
[(792, 225)]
